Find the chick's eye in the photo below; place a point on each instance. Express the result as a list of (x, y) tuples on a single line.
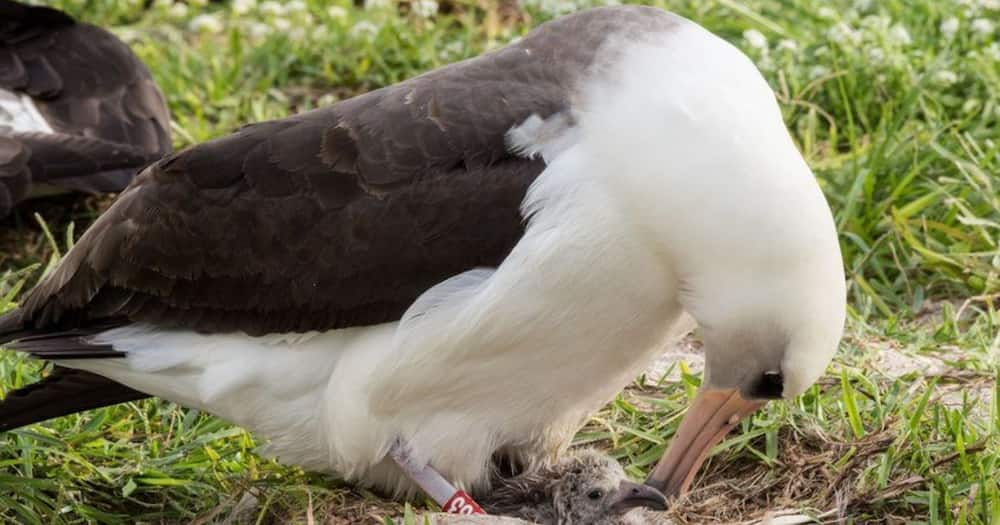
[(595, 494)]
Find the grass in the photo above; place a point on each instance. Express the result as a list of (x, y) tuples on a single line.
[(897, 112)]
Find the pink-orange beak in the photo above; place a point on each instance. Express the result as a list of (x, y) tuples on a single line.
[(712, 415)]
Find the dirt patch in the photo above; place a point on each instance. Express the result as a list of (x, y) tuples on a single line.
[(686, 348), (896, 363)]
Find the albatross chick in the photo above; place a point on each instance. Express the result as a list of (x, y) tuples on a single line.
[(586, 487)]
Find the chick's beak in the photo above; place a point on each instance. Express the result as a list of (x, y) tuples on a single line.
[(712, 415), (631, 495)]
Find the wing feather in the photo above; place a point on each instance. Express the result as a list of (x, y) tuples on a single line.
[(338, 217), (64, 391), (90, 88)]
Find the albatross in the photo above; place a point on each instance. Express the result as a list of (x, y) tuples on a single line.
[(78, 110), (462, 266)]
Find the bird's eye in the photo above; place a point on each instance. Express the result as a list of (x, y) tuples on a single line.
[(771, 385), (595, 494)]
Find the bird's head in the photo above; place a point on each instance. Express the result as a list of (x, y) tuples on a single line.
[(773, 346), (759, 268), (593, 488), (737, 217), (715, 187)]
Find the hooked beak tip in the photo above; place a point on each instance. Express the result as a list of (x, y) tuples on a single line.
[(633, 495), (712, 415)]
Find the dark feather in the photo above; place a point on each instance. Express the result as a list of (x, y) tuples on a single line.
[(109, 117), (64, 391), (15, 176)]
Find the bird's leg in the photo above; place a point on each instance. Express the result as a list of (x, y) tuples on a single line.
[(450, 498)]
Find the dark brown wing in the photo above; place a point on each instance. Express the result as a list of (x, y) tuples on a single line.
[(85, 82), (338, 217), (276, 229), (64, 391), (79, 162), (15, 176)]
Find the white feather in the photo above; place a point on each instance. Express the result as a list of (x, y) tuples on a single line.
[(546, 138), (18, 112)]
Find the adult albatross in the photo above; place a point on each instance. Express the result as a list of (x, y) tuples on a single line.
[(462, 265), (78, 110)]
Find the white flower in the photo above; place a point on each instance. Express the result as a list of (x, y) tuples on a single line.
[(755, 38), (553, 7), (983, 26), (205, 23), (242, 7), (364, 28), (320, 32), (876, 22), (818, 71), (424, 8), (945, 77), (379, 4), (827, 12), (272, 8), (163, 4), (862, 5), (298, 33), (452, 50), (336, 12), (258, 30), (993, 51), (876, 54), (178, 11), (281, 24), (789, 45), (949, 27), (326, 100), (899, 35), (844, 34), (295, 6)]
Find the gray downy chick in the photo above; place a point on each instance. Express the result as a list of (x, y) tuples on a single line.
[(586, 487)]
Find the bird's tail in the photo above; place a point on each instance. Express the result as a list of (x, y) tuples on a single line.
[(64, 391)]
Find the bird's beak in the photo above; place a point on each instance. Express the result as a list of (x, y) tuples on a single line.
[(711, 416), (631, 495)]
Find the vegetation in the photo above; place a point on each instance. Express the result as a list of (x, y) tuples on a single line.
[(896, 106)]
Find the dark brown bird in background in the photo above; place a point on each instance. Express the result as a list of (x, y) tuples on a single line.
[(78, 110)]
